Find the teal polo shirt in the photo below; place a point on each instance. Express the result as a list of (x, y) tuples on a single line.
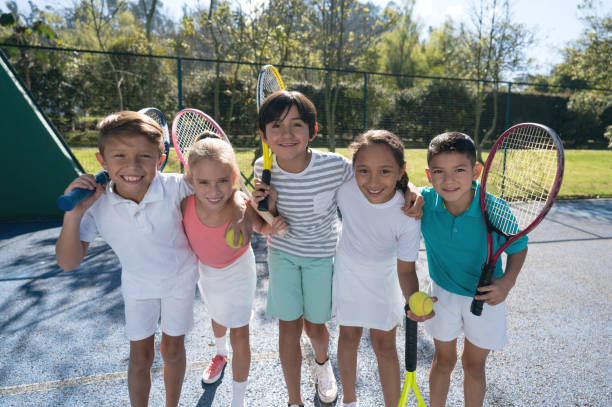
[(457, 245)]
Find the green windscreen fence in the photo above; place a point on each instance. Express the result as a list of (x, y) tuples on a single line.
[(36, 165)]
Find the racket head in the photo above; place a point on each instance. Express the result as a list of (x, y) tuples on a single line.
[(268, 81), (159, 117), (187, 126), (521, 178)]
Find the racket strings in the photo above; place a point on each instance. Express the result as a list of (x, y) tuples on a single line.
[(521, 177), (189, 127)]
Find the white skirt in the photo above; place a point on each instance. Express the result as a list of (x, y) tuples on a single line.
[(367, 294), (229, 292)]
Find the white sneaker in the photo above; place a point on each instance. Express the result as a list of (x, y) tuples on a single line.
[(327, 389)]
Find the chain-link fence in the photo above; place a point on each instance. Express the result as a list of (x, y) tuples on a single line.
[(75, 88)]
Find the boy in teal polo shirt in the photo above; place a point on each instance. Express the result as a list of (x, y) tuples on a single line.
[(456, 245)]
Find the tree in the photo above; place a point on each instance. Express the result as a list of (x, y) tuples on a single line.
[(494, 46), (401, 51), (587, 60)]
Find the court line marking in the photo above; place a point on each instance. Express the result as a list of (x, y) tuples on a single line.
[(107, 377)]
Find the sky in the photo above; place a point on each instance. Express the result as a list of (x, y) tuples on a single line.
[(554, 22)]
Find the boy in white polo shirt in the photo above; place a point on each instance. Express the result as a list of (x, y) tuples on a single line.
[(138, 215)]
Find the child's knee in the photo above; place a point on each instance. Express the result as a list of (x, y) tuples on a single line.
[(141, 358), (172, 348), (444, 363), (239, 335), (473, 368)]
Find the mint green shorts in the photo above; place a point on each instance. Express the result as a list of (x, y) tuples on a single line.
[(299, 287)]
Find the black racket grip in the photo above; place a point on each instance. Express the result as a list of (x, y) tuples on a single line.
[(485, 279), (266, 176), (410, 353), (68, 201)]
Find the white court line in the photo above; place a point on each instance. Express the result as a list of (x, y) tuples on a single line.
[(106, 377)]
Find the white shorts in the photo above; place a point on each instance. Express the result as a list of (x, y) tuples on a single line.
[(453, 317), (141, 316), (229, 292)]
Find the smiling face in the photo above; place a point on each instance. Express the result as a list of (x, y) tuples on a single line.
[(132, 163), (213, 183), (451, 174), (288, 139), (377, 173)]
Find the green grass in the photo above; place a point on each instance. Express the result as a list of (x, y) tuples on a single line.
[(588, 173)]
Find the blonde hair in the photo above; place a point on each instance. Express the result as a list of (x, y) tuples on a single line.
[(128, 123), (215, 149)]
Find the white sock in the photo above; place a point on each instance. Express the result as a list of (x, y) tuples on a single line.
[(222, 346), (351, 404), (238, 392)]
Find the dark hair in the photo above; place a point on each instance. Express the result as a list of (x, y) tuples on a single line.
[(452, 142), (277, 103), (128, 123), (388, 139)]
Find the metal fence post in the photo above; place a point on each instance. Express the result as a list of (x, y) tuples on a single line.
[(508, 105), (365, 101), (179, 83)]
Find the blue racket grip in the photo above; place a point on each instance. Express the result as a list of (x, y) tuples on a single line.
[(68, 201), (266, 176)]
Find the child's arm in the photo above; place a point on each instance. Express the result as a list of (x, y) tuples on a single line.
[(498, 290), (409, 283), (239, 220), (69, 249), (414, 202)]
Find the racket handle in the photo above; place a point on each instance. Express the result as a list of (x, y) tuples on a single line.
[(266, 176), (68, 201), (166, 151), (485, 279), (410, 353)]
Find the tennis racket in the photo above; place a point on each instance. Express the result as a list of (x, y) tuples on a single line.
[(520, 181), (68, 201), (268, 81), (410, 357), (158, 116), (186, 128)]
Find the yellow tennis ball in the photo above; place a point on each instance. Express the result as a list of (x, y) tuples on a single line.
[(229, 239), (420, 304)]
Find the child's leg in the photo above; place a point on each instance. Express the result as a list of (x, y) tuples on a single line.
[(319, 338), (348, 343), (474, 359), (383, 343), (219, 332), (442, 365), (139, 370), (290, 352), (241, 362), (172, 349)]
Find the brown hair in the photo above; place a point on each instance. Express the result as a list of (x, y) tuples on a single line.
[(128, 123), (452, 142), (215, 149), (388, 139), (280, 102)]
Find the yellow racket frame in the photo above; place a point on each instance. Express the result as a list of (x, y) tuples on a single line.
[(410, 383), (266, 152)]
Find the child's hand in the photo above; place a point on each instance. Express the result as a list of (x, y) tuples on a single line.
[(85, 181), (277, 225), (261, 190), (415, 318), (496, 292), (239, 220), (414, 202)]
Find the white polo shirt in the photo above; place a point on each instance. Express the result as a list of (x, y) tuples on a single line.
[(148, 238)]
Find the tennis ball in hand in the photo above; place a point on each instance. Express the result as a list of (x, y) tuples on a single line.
[(420, 304), (229, 239)]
